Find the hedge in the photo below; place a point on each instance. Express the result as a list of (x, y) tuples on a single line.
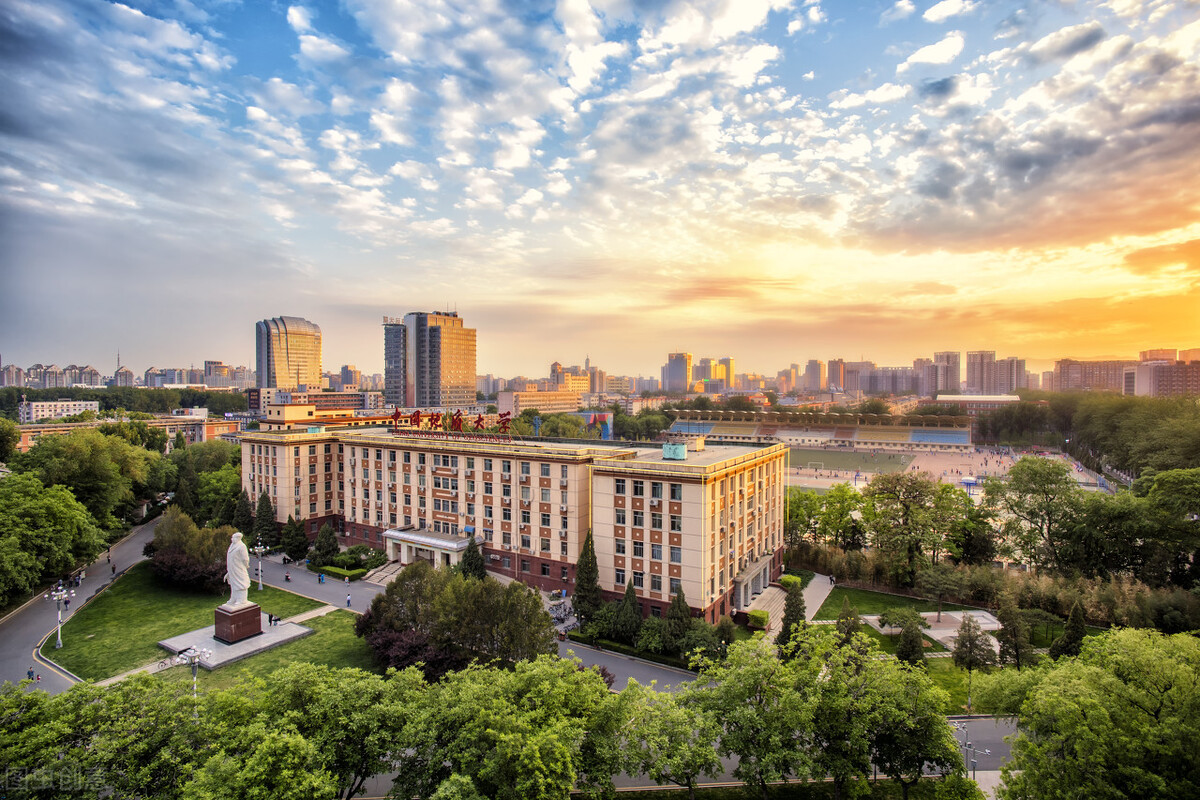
[(801, 576), (624, 649), (338, 572), (758, 618)]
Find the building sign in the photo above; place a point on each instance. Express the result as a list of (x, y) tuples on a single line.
[(437, 421)]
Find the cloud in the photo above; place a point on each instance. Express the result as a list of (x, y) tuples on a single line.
[(1067, 42), (946, 9), (887, 93), (1151, 260), (901, 10), (321, 50), (942, 52), (300, 19)]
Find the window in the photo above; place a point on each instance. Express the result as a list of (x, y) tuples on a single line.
[(545, 495), (545, 545), (620, 543), (656, 520), (676, 523), (545, 471), (524, 565), (619, 486), (674, 585), (656, 583), (562, 523), (676, 554), (507, 562), (545, 570), (656, 490), (487, 487), (619, 516), (638, 579), (524, 467), (656, 551), (639, 488), (407, 457), (312, 449), (638, 549), (565, 574), (563, 549), (487, 465), (655, 611), (639, 519), (506, 514), (563, 472), (525, 540), (506, 490), (524, 517), (420, 459), (619, 577), (326, 448), (524, 492), (545, 520)]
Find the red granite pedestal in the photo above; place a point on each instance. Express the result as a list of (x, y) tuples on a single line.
[(235, 623)]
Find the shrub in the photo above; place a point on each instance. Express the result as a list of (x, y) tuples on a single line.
[(338, 572), (757, 619)]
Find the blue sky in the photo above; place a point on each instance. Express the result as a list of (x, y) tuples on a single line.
[(771, 180)]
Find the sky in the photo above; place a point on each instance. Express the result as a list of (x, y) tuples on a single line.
[(772, 180)]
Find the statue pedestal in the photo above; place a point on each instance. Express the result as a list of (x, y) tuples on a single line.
[(235, 623)]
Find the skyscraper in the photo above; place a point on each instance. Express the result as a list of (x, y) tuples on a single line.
[(815, 379), (950, 379), (677, 373), (428, 361), (288, 353), (981, 372)]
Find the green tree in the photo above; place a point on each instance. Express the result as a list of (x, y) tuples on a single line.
[(178, 443), (900, 519), (10, 435), (972, 650), (184, 554), (679, 621), (1071, 641), (938, 582), (187, 490), (910, 736), (587, 598), (838, 522), (670, 739), (803, 515), (1013, 635), (266, 763), (628, 620), (243, 514), (44, 533), (472, 564), (265, 527), (848, 623), (294, 540), (795, 617), (911, 647), (1121, 720), (325, 547), (1039, 498), (217, 492), (844, 706), (759, 701)]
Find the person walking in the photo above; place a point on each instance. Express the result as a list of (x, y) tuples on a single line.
[(114, 570), (347, 599), (30, 673)]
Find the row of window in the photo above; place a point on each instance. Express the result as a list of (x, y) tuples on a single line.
[(656, 489), (656, 550), (639, 581), (656, 520)]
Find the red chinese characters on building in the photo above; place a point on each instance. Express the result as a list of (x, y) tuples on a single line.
[(456, 421), (414, 419), (505, 421), (478, 424), (435, 421)]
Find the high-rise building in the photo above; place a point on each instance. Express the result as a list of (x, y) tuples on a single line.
[(952, 375), (728, 364), (1010, 376), (677, 373), (287, 353), (835, 375), (428, 361), (815, 376), (981, 372), (1160, 354), (1090, 376)]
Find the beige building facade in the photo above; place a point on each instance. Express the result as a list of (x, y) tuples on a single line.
[(710, 523)]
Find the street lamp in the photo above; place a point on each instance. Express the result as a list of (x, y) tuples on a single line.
[(969, 750), (59, 594), (193, 657), (258, 550)]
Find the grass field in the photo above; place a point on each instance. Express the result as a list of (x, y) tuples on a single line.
[(332, 643), (868, 602), (888, 642), (843, 460), (120, 629)]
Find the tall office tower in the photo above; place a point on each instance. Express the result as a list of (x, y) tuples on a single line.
[(981, 372), (350, 376), (953, 372), (835, 375), (1010, 375), (428, 361), (677, 373), (815, 379), (727, 363), (287, 353), (703, 370)]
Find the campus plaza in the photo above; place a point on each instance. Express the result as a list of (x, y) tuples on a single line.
[(686, 515)]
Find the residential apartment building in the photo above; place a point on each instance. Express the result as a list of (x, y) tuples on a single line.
[(287, 353), (1090, 376), (547, 402), (30, 411), (981, 372), (949, 379), (1162, 379), (704, 520)]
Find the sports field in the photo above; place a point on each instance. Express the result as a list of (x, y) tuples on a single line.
[(848, 460)]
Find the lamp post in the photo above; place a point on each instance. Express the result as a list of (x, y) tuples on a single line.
[(258, 550), (193, 657), (59, 594), (969, 750)]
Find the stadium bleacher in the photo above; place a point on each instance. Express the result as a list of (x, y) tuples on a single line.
[(927, 436)]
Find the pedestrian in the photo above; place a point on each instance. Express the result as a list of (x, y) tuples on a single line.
[(39, 677), (30, 673), (114, 570), (347, 580), (270, 620), (347, 600), (108, 558), (67, 603)]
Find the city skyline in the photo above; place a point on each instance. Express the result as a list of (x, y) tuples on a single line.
[(776, 181)]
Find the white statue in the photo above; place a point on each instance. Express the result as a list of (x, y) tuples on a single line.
[(237, 562)]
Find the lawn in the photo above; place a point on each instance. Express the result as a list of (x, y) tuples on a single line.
[(868, 602), (848, 460), (888, 642), (332, 643), (120, 629)]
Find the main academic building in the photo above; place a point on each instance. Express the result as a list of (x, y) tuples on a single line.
[(682, 515)]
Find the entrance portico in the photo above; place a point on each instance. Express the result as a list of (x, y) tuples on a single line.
[(438, 549)]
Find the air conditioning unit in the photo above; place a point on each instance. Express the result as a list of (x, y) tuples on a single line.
[(470, 473), (563, 509), (562, 484), (524, 504), (470, 495), (506, 476), (562, 534), (655, 503), (506, 546)]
